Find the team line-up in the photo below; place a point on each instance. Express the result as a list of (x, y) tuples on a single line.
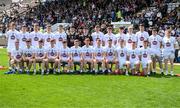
[(128, 52)]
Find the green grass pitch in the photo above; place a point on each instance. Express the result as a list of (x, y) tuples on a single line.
[(87, 91)]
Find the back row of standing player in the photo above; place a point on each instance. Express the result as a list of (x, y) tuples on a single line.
[(157, 44)]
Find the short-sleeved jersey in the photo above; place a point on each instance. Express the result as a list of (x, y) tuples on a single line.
[(129, 39), (99, 52), (107, 37), (96, 35), (40, 52), (76, 52), (168, 43), (52, 52), (110, 52), (12, 36), (59, 38), (17, 53), (47, 38), (28, 52), (145, 54), (121, 53), (120, 37), (134, 54), (36, 36), (87, 51), (141, 37), (22, 38), (64, 52), (155, 42)]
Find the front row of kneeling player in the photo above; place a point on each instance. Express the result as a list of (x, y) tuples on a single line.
[(104, 57)]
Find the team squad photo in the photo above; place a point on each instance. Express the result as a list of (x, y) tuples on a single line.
[(98, 53)]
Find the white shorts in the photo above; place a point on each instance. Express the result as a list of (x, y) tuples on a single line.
[(169, 55), (145, 63), (156, 52), (64, 59), (10, 48), (99, 59), (109, 59), (122, 63), (132, 63), (76, 59)]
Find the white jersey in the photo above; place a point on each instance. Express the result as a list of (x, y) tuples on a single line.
[(59, 38), (52, 52), (64, 53), (22, 38), (168, 44), (88, 52), (28, 52), (76, 52), (155, 42), (121, 53), (110, 51), (107, 37), (16, 54), (134, 55), (12, 35), (129, 39), (120, 37), (36, 36), (145, 54), (99, 52), (40, 52), (48, 37), (141, 37), (96, 35)]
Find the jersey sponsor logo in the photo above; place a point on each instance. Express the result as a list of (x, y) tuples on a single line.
[(52, 54), (64, 55), (41, 54), (36, 38), (141, 38), (75, 54), (87, 54), (122, 54), (24, 39), (48, 39), (133, 56), (154, 42), (129, 41), (60, 39), (29, 55), (168, 44), (98, 54), (110, 53), (13, 37), (18, 56), (145, 55)]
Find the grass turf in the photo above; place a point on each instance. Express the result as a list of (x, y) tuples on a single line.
[(84, 91)]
